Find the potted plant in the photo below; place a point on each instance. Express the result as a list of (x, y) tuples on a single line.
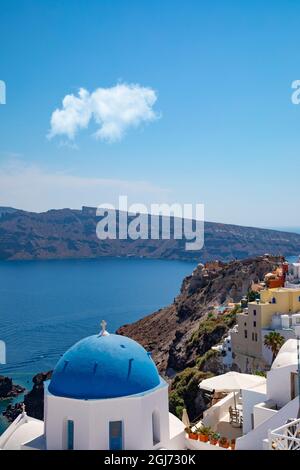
[(224, 442), (204, 433), (232, 444), (213, 438), (192, 434)]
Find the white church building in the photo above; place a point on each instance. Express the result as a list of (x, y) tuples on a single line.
[(105, 394)]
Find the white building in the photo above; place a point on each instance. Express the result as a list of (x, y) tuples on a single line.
[(267, 412), (293, 275), (225, 348), (280, 402), (285, 325), (105, 394)]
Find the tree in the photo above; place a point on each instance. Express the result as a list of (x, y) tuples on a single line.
[(252, 295), (274, 341)]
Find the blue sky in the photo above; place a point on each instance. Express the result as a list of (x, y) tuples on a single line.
[(226, 133)]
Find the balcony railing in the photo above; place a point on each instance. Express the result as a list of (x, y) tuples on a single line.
[(287, 437)]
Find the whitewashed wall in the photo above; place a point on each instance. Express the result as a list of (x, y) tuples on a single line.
[(250, 398), (91, 420)]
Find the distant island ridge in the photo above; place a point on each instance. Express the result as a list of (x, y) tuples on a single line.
[(71, 233)]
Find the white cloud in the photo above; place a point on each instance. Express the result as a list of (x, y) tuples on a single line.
[(32, 188), (114, 110)]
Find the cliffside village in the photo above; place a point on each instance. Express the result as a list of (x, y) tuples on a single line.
[(273, 305)]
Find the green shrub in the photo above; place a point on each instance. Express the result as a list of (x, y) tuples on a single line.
[(185, 385), (252, 296), (261, 373), (200, 361), (184, 391)]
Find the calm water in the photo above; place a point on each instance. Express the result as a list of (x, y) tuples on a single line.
[(46, 306)]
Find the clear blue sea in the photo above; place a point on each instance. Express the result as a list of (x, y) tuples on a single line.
[(46, 306)]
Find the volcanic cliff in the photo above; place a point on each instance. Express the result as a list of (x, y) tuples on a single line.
[(185, 330)]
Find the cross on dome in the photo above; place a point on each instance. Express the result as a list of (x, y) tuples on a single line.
[(24, 414), (103, 332)]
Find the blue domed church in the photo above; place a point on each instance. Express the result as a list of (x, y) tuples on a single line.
[(105, 394)]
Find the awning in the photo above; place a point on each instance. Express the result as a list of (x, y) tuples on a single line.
[(231, 381)]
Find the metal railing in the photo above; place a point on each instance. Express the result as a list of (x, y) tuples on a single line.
[(286, 437)]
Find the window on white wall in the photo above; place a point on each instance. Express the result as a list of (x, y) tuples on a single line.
[(115, 435), (70, 434), (155, 427), (294, 385)]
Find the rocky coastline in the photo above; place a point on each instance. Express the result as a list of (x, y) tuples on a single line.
[(8, 389), (181, 332), (33, 400), (181, 335)]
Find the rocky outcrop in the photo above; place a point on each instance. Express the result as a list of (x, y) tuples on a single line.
[(178, 334), (181, 335), (34, 400), (12, 411), (68, 233), (8, 389)]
